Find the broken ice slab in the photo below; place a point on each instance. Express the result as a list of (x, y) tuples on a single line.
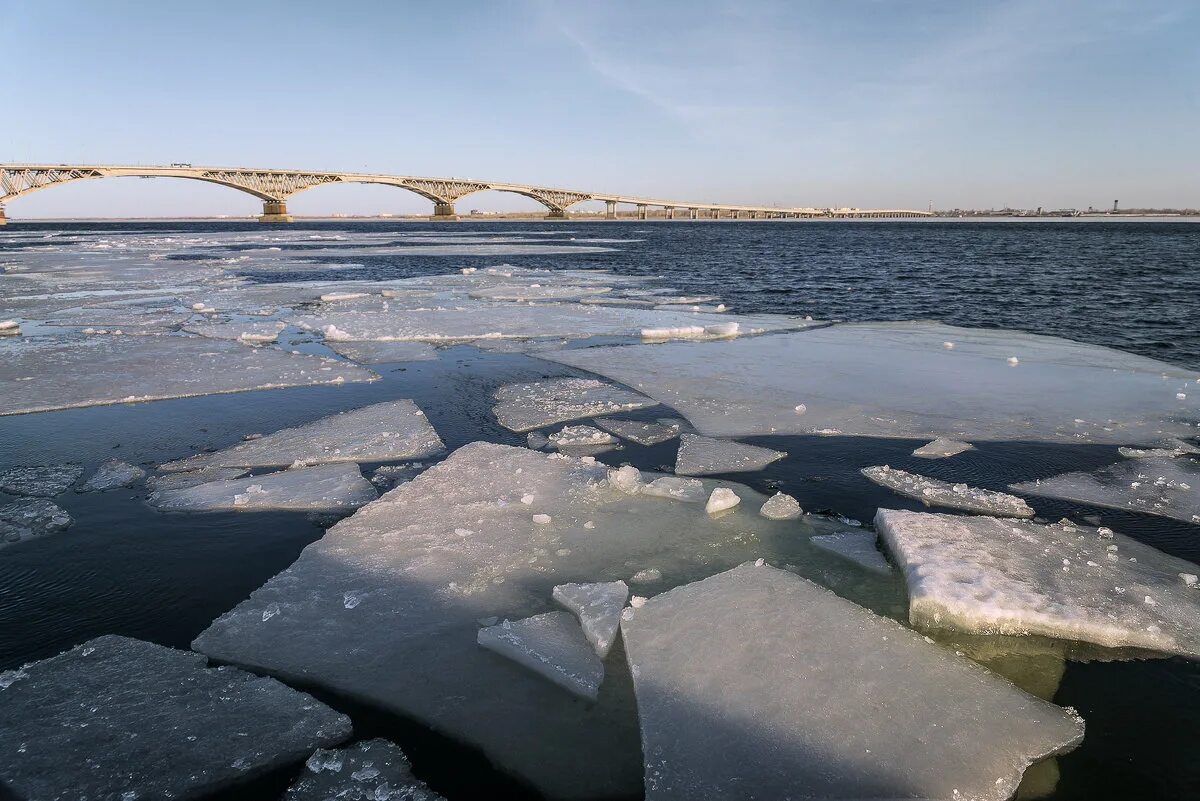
[(552, 645), (896, 380), (39, 481), (758, 684), (371, 770), (598, 607), (325, 488), (781, 506), (942, 448), (117, 718), (523, 407), (166, 482), (387, 605), (29, 518), (42, 376), (252, 331), (690, 490), (112, 474), (1156, 485), (701, 456), (384, 352), (990, 576), (582, 440), (856, 546), (381, 432), (933, 492), (643, 433)]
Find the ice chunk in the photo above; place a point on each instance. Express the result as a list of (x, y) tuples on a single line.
[(552, 645), (384, 352), (43, 481), (119, 718), (896, 380), (598, 607), (112, 474), (984, 575), (932, 492), (191, 478), (626, 478), (326, 488), (31, 517), (700, 456), (642, 433), (677, 489), (722, 498), (758, 684), (537, 440), (781, 506), (942, 448), (253, 331), (576, 438), (523, 407), (1157, 485), (857, 546), (372, 770), (381, 432)]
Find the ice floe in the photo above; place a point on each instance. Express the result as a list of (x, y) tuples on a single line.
[(40, 481), (112, 474), (990, 576), (701, 456), (28, 518), (384, 352), (781, 506), (934, 492), (523, 407), (942, 448), (643, 433), (758, 684), (598, 607), (552, 645), (856, 546), (325, 488), (371, 770), (1157, 485)]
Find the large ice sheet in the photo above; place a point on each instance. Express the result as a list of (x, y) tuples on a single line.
[(387, 605), (384, 352), (552, 645), (990, 576), (41, 376), (325, 488), (757, 684), (934, 492), (381, 432), (703, 456), (371, 770), (598, 607), (117, 718), (28, 518), (524, 407), (1157, 485), (897, 380)]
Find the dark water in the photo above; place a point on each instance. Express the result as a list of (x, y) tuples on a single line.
[(125, 569)]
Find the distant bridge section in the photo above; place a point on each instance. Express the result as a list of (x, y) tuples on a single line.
[(275, 187)]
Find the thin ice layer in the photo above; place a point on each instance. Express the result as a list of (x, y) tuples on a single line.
[(1156, 485), (552, 645), (989, 576), (39, 481), (856, 546), (934, 492), (384, 352), (112, 474), (897, 380), (28, 518), (325, 488), (523, 407), (41, 376), (642, 433), (117, 718), (598, 607), (381, 432), (371, 770), (702, 456), (757, 684)]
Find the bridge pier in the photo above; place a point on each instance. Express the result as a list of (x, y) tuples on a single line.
[(694, 214), (670, 212), (275, 211), (610, 209), (556, 214), (716, 214), (641, 211), (2, 220), (443, 212)]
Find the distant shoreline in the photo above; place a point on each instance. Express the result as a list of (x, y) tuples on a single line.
[(599, 217)]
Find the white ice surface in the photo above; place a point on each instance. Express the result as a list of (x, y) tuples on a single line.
[(934, 492), (598, 607), (325, 488), (721, 499), (942, 448), (857, 546), (702, 456), (552, 645), (522, 407), (112, 474), (1157, 485)]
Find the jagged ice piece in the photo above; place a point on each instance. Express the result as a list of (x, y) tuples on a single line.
[(934, 492), (701, 456), (598, 607), (523, 407), (552, 645)]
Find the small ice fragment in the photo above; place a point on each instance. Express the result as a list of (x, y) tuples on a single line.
[(801, 408), (527, 499), (598, 607), (551, 644), (1189, 579), (628, 479), (541, 520), (948, 345), (646, 576), (781, 506), (722, 498), (1014, 361)]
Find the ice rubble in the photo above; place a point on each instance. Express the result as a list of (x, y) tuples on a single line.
[(42, 376), (942, 448), (325, 488), (381, 432), (371, 770), (523, 407), (896, 380), (690, 490), (383, 352), (643, 433), (31, 517), (781, 506), (856, 546), (112, 474), (39, 481), (458, 545), (820, 698), (117, 718), (933, 492), (581, 440), (701, 456), (991, 576), (598, 607), (1156, 485), (552, 645)]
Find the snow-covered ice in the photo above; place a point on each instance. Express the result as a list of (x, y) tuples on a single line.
[(582, 440), (324, 488), (112, 474), (990, 576), (942, 448), (40, 481), (643, 433), (701, 456), (1157, 485), (598, 607), (934, 492), (721, 499), (370, 770), (552, 645), (28, 518), (523, 407), (781, 506), (384, 352), (117, 718), (856, 546), (758, 684)]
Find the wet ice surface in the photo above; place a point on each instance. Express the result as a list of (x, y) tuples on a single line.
[(819, 694), (702, 456), (643, 433), (372, 770), (1157, 485), (522, 407), (598, 607), (381, 432), (857, 546), (552, 645), (40, 481), (942, 448), (325, 488), (28, 518), (934, 492), (384, 352), (990, 576), (120, 718), (112, 474)]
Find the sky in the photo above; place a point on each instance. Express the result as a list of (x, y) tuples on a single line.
[(866, 104)]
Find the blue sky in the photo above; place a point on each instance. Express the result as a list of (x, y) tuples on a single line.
[(870, 104)]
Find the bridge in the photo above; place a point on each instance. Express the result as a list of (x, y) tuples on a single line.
[(275, 187)]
